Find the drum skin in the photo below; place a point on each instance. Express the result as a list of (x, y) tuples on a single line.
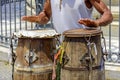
[(75, 45), (34, 61)]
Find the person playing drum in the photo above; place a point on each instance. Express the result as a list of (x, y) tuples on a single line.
[(72, 14)]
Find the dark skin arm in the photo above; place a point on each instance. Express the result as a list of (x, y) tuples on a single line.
[(106, 16), (43, 17)]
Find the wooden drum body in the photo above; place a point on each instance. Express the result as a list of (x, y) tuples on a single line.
[(34, 61), (83, 53)]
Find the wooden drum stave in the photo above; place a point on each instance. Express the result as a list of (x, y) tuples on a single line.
[(34, 61), (84, 55)]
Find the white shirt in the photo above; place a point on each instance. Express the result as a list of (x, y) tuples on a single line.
[(67, 17)]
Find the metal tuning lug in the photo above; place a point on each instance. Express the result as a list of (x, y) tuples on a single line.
[(31, 57)]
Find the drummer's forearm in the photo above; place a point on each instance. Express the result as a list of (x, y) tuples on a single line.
[(47, 9), (105, 19), (106, 15)]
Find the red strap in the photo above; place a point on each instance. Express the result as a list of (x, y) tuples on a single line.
[(57, 54)]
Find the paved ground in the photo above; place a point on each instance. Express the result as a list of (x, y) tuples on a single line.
[(5, 67), (5, 71)]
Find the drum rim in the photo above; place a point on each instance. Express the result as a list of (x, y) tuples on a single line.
[(19, 34), (95, 32)]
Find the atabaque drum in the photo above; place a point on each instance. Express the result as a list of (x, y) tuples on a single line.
[(33, 54), (83, 57)]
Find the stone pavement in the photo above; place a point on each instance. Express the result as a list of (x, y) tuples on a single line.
[(5, 67), (5, 71)]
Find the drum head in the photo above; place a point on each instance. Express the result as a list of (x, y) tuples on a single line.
[(42, 33), (82, 32)]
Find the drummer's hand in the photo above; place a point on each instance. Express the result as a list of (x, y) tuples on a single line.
[(88, 22), (40, 19)]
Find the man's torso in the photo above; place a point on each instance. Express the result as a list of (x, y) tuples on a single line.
[(66, 15)]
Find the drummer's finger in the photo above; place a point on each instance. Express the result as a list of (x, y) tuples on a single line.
[(82, 22), (24, 18), (30, 18)]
